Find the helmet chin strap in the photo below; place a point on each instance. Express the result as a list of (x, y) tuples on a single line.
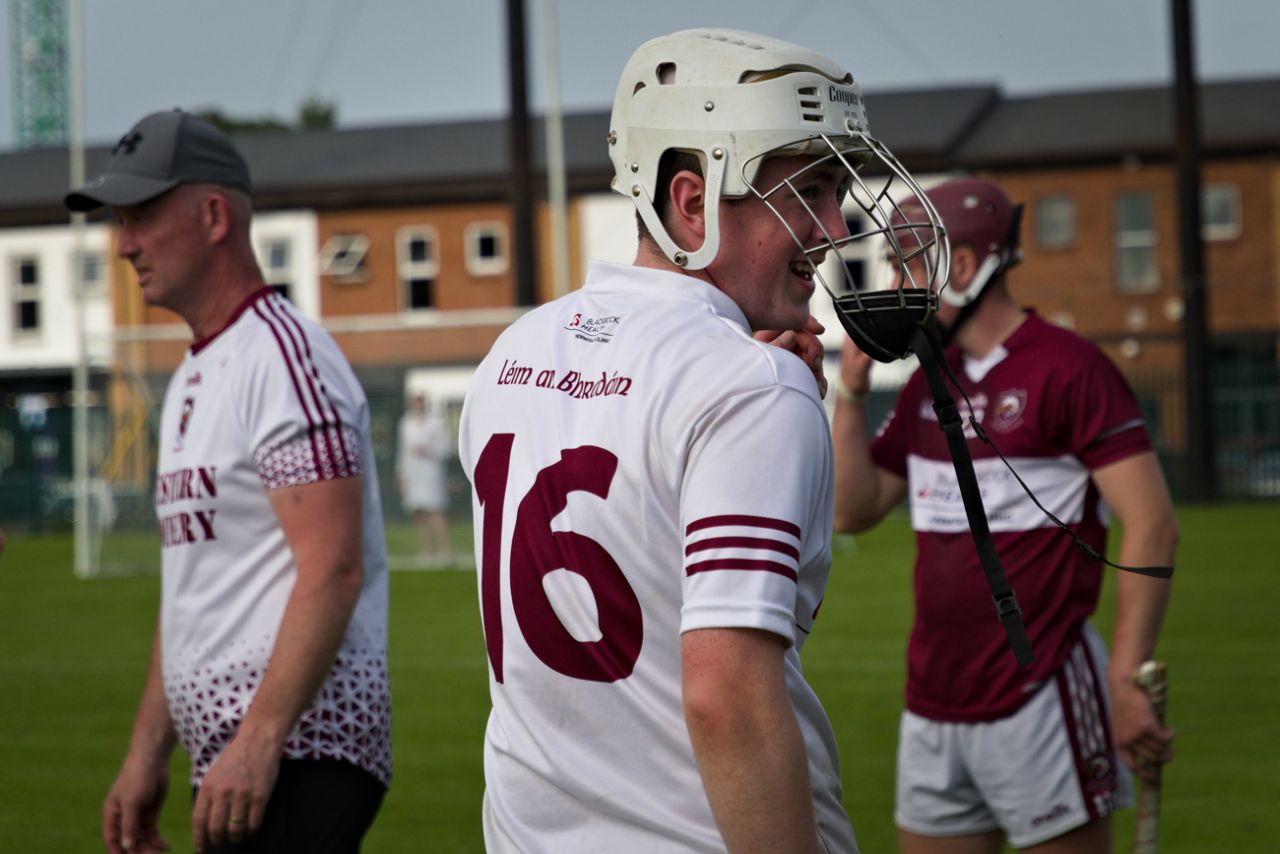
[(990, 265), (968, 299)]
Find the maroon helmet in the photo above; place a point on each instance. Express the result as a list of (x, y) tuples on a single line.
[(973, 211)]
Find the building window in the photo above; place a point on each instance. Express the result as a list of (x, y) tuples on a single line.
[(343, 257), (417, 266), (486, 244), (853, 256), (1221, 208), (1056, 222), (25, 293), (275, 256), (1136, 267), (93, 272)]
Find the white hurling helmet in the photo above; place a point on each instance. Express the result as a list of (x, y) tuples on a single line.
[(735, 98)]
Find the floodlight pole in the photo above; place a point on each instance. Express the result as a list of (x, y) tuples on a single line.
[(1197, 355)]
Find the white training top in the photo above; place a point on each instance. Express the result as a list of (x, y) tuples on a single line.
[(642, 467), (422, 448), (268, 402)]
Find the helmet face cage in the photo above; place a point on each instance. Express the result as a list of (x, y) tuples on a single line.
[(917, 244)]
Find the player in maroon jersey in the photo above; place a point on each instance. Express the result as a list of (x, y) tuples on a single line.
[(988, 750)]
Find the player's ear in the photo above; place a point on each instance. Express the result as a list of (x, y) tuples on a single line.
[(686, 212), (964, 265)]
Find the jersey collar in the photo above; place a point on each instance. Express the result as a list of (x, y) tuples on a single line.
[(608, 276), (260, 293)]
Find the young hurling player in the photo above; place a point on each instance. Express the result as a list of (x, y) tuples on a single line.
[(653, 486)]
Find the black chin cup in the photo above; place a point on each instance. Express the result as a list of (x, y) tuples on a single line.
[(882, 323)]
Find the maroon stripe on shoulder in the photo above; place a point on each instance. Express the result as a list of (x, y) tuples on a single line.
[(328, 423), (311, 424), (740, 564), (745, 522), (742, 543), (340, 436), (346, 454)]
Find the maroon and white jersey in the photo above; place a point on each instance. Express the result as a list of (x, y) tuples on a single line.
[(266, 403), (641, 468), (1057, 408)]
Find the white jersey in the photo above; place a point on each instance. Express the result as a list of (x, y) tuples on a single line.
[(642, 467), (268, 402)]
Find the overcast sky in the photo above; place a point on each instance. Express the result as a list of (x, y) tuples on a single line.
[(403, 61)]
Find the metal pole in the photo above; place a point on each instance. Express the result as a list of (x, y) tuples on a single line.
[(80, 373), (1197, 353), (557, 195), (521, 174)]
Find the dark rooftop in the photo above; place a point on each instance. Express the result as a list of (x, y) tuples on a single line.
[(969, 127)]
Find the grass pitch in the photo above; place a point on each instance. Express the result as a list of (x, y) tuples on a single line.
[(74, 656)]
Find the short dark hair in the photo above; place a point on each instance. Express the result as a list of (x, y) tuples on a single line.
[(673, 162)]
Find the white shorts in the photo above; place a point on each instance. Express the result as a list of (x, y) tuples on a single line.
[(1047, 769)]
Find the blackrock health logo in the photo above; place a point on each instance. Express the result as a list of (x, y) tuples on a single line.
[(599, 330)]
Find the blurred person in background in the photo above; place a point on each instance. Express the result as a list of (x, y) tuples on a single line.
[(422, 453)]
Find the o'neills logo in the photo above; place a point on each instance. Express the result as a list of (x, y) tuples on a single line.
[(845, 96)]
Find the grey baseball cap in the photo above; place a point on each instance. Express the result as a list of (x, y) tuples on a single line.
[(159, 153)]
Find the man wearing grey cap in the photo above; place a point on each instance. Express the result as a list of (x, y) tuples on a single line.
[(269, 658)]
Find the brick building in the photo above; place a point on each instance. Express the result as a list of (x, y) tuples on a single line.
[(400, 239)]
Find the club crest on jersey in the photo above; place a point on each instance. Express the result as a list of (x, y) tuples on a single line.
[(1007, 413), (188, 406), (598, 330)]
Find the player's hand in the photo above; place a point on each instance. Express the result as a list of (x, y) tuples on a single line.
[(233, 796), (131, 811), (804, 343), (1143, 742), (855, 369)]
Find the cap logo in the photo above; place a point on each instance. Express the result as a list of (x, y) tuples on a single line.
[(128, 142)]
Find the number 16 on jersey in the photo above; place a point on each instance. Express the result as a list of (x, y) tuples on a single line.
[(534, 550)]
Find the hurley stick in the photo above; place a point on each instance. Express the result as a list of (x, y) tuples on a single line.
[(1153, 678)]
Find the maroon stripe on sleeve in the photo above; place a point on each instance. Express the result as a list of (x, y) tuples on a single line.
[(321, 393), (742, 543), (284, 352), (299, 364), (741, 564), (320, 423), (743, 521)]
